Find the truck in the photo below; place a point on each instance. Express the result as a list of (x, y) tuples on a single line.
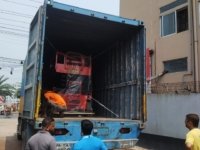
[(108, 63)]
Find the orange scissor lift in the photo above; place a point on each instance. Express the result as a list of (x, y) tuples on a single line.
[(77, 68)]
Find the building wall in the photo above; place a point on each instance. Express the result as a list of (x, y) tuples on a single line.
[(174, 46), (174, 92), (166, 113)]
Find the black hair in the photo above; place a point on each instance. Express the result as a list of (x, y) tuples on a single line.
[(86, 127), (194, 118), (47, 121)]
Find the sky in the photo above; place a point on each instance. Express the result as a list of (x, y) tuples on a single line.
[(15, 18)]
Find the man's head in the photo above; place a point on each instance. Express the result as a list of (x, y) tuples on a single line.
[(86, 127), (48, 124), (191, 121)]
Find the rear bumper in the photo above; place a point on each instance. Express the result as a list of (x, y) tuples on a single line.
[(110, 144), (120, 143)]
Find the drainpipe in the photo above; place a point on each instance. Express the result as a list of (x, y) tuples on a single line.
[(194, 42)]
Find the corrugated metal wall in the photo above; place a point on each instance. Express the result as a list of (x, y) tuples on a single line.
[(31, 66), (166, 113), (118, 78)]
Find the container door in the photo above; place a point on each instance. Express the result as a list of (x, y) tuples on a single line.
[(33, 63)]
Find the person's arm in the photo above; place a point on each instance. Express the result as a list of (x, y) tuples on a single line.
[(189, 141), (52, 145), (74, 147), (103, 146), (27, 146), (188, 146)]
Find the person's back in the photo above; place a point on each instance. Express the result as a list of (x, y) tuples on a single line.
[(88, 142), (43, 139), (193, 136)]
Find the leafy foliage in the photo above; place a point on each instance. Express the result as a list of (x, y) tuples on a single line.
[(17, 93), (5, 88)]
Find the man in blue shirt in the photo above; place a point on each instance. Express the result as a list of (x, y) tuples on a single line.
[(88, 142)]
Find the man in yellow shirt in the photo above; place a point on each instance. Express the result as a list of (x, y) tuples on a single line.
[(192, 141)]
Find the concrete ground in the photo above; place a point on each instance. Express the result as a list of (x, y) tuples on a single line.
[(8, 139)]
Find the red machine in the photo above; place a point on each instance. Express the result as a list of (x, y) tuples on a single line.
[(77, 68), (73, 63)]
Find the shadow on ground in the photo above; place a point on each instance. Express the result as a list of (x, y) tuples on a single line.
[(153, 142), (12, 143)]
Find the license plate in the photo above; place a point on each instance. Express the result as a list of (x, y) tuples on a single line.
[(63, 146)]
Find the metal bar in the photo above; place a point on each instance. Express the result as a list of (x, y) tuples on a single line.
[(105, 107)]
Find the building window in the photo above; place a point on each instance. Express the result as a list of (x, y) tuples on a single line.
[(174, 22), (168, 24), (175, 65), (182, 20)]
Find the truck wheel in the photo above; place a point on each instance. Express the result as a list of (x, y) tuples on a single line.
[(24, 133), (27, 132), (23, 140), (19, 132), (19, 137)]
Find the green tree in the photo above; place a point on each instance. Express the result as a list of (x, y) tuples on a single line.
[(5, 88), (17, 93)]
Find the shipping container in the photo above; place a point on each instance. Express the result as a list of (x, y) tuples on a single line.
[(112, 47)]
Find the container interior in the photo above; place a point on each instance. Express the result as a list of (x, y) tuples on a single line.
[(116, 56)]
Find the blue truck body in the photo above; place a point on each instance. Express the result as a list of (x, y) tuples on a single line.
[(117, 48)]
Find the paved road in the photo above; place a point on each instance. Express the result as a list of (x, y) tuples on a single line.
[(154, 142), (8, 139)]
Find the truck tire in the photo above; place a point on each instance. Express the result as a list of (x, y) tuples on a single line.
[(19, 129), (24, 133), (24, 139), (27, 132), (23, 144), (19, 137)]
